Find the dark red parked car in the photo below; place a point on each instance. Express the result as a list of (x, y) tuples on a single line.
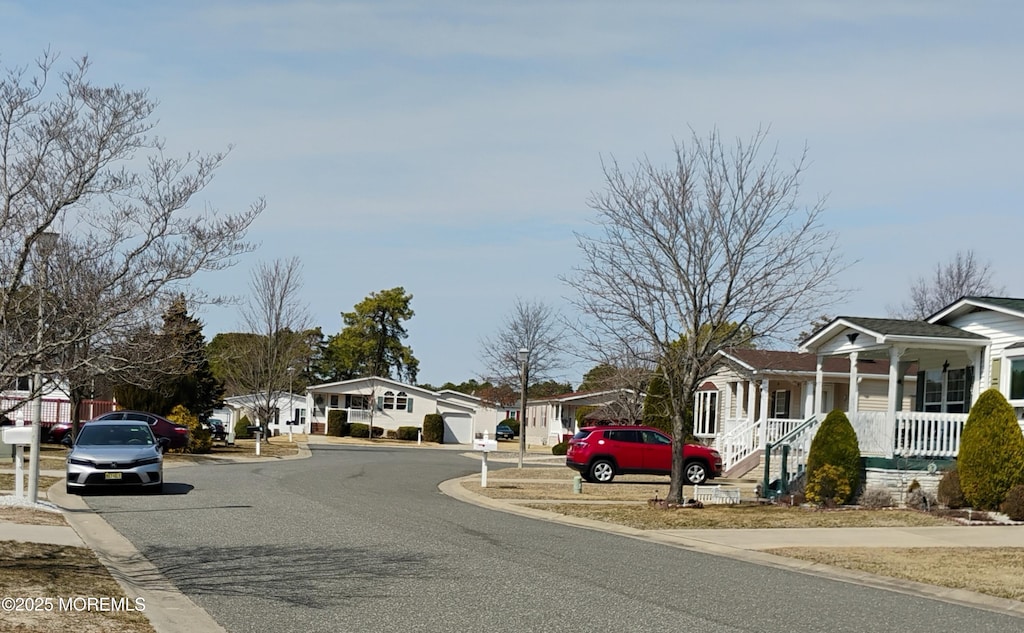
[(176, 434), (600, 453)]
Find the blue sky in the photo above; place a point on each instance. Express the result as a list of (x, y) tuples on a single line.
[(450, 147)]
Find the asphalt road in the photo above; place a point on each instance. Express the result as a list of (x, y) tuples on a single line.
[(360, 539)]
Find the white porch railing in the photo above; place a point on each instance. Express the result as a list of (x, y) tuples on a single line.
[(916, 434), (924, 434), (744, 437)]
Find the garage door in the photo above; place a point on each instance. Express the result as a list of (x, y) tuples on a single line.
[(458, 428)]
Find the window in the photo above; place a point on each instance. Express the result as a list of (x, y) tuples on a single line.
[(356, 401), (1017, 379), (706, 412), (945, 391), (653, 437), (932, 390), (402, 401), (780, 404), (956, 390), (389, 399), (334, 400), (623, 436)]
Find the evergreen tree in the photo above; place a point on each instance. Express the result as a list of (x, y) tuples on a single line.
[(370, 344), (991, 458)]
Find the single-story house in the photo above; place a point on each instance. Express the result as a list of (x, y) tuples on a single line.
[(288, 407), (391, 404), (552, 419), (907, 388)]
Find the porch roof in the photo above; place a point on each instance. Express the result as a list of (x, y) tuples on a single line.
[(889, 331), (775, 361)]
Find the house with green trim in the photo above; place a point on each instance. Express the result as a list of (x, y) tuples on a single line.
[(907, 388)]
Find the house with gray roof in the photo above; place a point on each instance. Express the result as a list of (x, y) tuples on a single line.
[(906, 385)]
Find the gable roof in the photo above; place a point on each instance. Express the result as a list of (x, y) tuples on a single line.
[(966, 305), (341, 385), (774, 361), (886, 331)]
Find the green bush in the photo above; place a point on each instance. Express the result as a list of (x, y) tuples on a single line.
[(560, 449), (391, 434), (242, 428), (835, 444), (358, 429), (199, 439), (433, 428), (1013, 505), (949, 492), (991, 459), (337, 423), (408, 433), (582, 413), (512, 424)]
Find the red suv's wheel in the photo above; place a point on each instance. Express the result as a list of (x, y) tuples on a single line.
[(695, 472), (602, 471)]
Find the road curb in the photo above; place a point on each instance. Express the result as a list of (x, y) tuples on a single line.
[(963, 597)]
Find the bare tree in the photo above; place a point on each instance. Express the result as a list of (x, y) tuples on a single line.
[(531, 325), (962, 276), (260, 364), (715, 250), (96, 229)]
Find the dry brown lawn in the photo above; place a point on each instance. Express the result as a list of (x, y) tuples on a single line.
[(45, 481), (275, 447), (51, 572), (28, 516), (993, 571)]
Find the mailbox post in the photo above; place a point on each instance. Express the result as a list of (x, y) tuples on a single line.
[(486, 446), (20, 437)]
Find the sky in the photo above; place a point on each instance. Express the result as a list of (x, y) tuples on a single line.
[(450, 147)]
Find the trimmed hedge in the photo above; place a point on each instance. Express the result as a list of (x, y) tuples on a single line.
[(408, 433), (358, 429), (242, 428), (433, 428), (199, 439), (991, 459), (337, 423), (835, 444), (560, 449)]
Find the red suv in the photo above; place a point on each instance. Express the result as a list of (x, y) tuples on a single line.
[(601, 452)]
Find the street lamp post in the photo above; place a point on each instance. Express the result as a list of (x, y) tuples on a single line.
[(44, 246), (291, 402), (524, 372)]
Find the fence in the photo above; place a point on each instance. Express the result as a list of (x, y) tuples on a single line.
[(54, 410)]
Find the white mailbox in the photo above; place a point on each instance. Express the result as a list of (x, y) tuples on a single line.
[(18, 435), (485, 445)]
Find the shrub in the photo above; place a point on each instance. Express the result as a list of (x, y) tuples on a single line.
[(835, 444), (1013, 505), (560, 449), (512, 424), (582, 413), (199, 438), (828, 486), (991, 459), (918, 499), (378, 431), (875, 498), (433, 428), (337, 423), (358, 429), (242, 427), (408, 433), (949, 492), (391, 434)]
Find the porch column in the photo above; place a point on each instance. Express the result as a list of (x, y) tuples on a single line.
[(980, 367), (808, 400), (895, 394), (764, 412), (727, 408), (854, 387), (819, 379), (751, 401)]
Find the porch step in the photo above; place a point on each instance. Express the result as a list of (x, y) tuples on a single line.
[(750, 467)]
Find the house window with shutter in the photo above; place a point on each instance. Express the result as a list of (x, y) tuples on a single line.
[(334, 401), (780, 404), (389, 399), (402, 401)]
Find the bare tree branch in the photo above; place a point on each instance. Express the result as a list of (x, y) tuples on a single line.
[(962, 276)]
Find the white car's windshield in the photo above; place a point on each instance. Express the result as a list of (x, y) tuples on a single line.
[(119, 435)]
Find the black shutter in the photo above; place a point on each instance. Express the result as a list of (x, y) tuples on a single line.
[(919, 398), (968, 383)]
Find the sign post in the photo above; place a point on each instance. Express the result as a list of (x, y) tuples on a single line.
[(486, 446)]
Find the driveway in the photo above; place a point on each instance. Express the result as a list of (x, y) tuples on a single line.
[(360, 539)]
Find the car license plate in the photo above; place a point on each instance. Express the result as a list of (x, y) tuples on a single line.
[(111, 475)]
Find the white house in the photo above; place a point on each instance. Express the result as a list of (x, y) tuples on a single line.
[(907, 389), (551, 420), (287, 407), (391, 404)]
